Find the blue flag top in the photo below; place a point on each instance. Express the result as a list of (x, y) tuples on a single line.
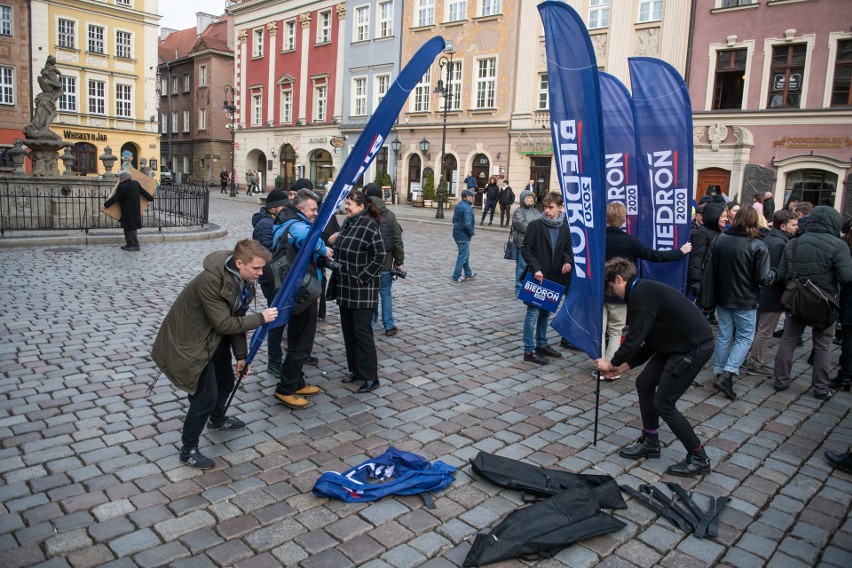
[(369, 143), (620, 149), (663, 119), (575, 116)]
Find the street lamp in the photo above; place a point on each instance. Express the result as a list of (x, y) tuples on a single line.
[(395, 146), (230, 109), (424, 147), (447, 93)]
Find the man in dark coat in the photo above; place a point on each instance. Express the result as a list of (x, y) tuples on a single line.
[(823, 258), (394, 257), (548, 251), (507, 198), (464, 226), (668, 333), (127, 195), (784, 225), (223, 179)]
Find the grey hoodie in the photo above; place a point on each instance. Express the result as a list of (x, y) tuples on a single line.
[(522, 217)]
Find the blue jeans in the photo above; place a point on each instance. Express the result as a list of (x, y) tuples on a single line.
[(520, 266), (736, 325), (535, 328), (463, 260), (386, 300)]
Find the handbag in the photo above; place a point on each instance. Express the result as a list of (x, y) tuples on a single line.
[(807, 302), (282, 259), (510, 249)]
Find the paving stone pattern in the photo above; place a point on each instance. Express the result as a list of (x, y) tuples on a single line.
[(89, 470)]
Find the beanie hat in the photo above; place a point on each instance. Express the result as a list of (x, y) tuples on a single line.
[(372, 190), (276, 198), (301, 183)]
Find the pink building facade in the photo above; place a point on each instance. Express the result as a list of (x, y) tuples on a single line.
[(770, 87)]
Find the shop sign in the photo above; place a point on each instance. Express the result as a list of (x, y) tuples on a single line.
[(92, 136), (832, 142), (337, 141), (322, 140)]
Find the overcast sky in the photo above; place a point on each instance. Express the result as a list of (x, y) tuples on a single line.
[(180, 14)]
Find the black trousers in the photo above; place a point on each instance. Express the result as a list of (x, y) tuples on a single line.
[(131, 238), (489, 206), (214, 386), (659, 389), (506, 210), (301, 329), (846, 352), (357, 326)]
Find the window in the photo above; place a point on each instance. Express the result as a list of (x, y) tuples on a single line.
[(164, 125), (362, 23), (174, 84), (122, 45), (164, 86), (7, 86), (290, 35), (287, 107), (185, 169), (202, 119), (598, 14), (381, 84), (257, 43), (186, 121), (422, 91), (786, 75), (455, 86), (202, 76), (734, 3), (96, 39), (425, 13), (97, 97), (650, 10), (730, 79), (385, 25), (457, 10), (256, 109), (66, 36), (123, 101), (68, 100), (124, 2), (186, 83), (175, 127), (490, 7), (324, 27), (841, 94), (5, 20), (321, 99), (359, 96), (486, 82), (543, 94)]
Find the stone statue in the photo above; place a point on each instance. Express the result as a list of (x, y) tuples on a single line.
[(45, 104)]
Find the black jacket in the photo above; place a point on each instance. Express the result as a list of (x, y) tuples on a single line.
[(361, 251), (128, 194), (507, 196), (540, 256), (660, 320), (822, 256), (492, 192), (701, 240), (770, 295), (620, 244), (740, 268)]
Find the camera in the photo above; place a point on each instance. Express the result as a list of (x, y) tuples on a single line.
[(325, 262), (397, 273)]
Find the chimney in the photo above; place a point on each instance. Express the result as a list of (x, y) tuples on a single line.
[(202, 20), (166, 32)]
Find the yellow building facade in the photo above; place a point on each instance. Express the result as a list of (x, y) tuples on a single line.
[(106, 51)]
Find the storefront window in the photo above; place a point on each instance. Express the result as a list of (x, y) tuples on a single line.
[(816, 186)]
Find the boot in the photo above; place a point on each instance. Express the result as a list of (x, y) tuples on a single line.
[(695, 463), (725, 383), (841, 382), (647, 447), (843, 462)]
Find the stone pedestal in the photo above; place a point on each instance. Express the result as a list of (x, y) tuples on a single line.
[(45, 156)]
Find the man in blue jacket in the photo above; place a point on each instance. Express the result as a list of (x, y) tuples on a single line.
[(464, 225)]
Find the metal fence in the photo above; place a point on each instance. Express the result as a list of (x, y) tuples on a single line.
[(34, 208)]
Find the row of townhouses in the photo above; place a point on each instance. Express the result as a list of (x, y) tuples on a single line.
[(285, 87)]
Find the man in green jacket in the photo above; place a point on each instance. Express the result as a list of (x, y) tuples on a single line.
[(208, 321)]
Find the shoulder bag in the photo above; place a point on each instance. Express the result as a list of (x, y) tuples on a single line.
[(510, 249), (807, 302)]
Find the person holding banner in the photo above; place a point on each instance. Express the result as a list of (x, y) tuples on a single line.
[(549, 254), (675, 340), (521, 218), (206, 323)]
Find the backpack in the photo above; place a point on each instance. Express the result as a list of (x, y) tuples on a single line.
[(282, 258)]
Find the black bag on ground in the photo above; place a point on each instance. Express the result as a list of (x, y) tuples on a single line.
[(542, 482), (807, 302), (282, 259)]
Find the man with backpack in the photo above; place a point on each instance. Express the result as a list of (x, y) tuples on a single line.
[(392, 236), (506, 199)]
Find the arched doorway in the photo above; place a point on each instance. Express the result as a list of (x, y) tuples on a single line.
[(322, 167), (481, 169), (86, 158), (256, 162), (451, 167), (134, 152), (712, 181), (414, 169), (287, 163), (817, 186)]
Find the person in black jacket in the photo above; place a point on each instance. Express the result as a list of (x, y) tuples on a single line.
[(620, 244), (507, 197), (740, 265), (668, 332), (492, 194), (714, 218), (548, 252), (127, 194), (843, 380), (784, 224)]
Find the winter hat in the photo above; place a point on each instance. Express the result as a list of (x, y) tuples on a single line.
[(276, 198), (467, 193), (372, 190), (301, 183)]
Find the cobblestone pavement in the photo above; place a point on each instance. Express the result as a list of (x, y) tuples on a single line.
[(90, 472)]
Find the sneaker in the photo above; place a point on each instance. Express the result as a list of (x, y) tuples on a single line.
[(457, 280), (840, 461), (548, 351), (824, 395), (778, 332), (725, 383), (567, 345), (643, 448), (691, 466), (293, 401), (309, 390), (391, 332), (311, 360), (471, 277), (196, 459), (758, 370), (227, 424), (604, 377), (274, 369), (534, 357)]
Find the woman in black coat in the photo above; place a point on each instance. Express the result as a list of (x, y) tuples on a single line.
[(127, 195), (359, 249)]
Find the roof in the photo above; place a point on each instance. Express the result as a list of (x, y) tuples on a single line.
[(214, 37), (182, 43)]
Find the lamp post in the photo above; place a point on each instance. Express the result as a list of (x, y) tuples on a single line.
[(230, 109), (395, 145), (447, 93)]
